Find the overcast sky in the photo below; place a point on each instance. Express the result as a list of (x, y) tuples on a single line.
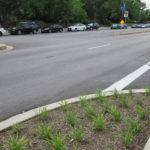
[(147, 2)]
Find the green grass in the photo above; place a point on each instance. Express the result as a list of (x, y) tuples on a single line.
[(45, 131), (58, 142), (143, 113), (116, 114), (106, 105), (16, 129), (126, 138), (133, 125), (123, 101), (90, 112), (16, 143), (148, 91), (99, 123), (83, 102), (139, 102), (130, 92), (43, 114), (100, 96), (70, 118), (65, 106), (116, 94), (78, 133)]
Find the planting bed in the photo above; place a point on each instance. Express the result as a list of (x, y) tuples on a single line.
[(107, 123)]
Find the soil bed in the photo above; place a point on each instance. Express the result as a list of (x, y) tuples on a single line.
[(107, 139)]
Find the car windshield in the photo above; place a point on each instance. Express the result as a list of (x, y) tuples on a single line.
[(114, 25)]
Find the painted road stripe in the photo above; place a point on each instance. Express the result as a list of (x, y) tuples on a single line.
[(100, 46), (121, 84)]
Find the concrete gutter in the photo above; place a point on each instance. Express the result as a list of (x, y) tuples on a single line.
[(4, 48), (33, 113)]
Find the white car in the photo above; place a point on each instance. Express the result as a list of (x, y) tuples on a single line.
[(77, 27), (2, 31)]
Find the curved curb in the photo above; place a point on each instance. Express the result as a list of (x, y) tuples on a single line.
[(32, 113), (5, 48)]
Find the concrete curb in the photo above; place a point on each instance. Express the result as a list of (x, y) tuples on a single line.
[(127, 33), (5, 48), (147, 146), (32, 113)]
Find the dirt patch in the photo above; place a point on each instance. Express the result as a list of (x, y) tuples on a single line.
[(108, 139)]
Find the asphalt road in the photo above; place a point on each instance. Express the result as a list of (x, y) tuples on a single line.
[(45, 68)]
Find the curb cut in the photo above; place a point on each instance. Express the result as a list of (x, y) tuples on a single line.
[(32, 113)]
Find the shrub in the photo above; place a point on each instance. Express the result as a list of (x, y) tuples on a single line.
[(43, 113), (70, 118), (116, 114), (15, 143), (90, 112), (78, 133), (45, 131), (58, 143), (99, 123)]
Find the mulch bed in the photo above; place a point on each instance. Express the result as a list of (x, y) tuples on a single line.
[(108, 139)]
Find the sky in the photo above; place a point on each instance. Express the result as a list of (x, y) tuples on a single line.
[(147, 3)]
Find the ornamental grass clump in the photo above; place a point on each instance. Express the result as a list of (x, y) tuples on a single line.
[(99, 123), (45, 131), (43, 114), (100, 96), (123, 101), (106, 105), (78, 133), (65, 106), (90, 112), (58, 142), (16, 129), (116, 114), (16, 143), (133, 125), (126, 138), (143, 113), (148, 91), (83, 102), (70, 118)]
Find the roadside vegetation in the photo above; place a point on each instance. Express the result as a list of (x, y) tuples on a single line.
[(65, 12), (117, 122)]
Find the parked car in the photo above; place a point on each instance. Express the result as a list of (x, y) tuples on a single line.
[(53, 28), (119, 26), (77, 27), (92, 26), (2, 31), (135, 26), (24, 28)]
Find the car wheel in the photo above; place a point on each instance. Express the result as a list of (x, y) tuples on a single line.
[(61, 30), (19, 32), (75, 29), (1, 34), (83, 29)]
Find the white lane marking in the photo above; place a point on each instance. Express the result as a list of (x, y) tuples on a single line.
[(100, 46), (121, 84)]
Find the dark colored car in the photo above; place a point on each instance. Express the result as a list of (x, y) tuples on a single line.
[(24, 28), (119, 26), (92, 26), (135, 26), (53, 28)]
